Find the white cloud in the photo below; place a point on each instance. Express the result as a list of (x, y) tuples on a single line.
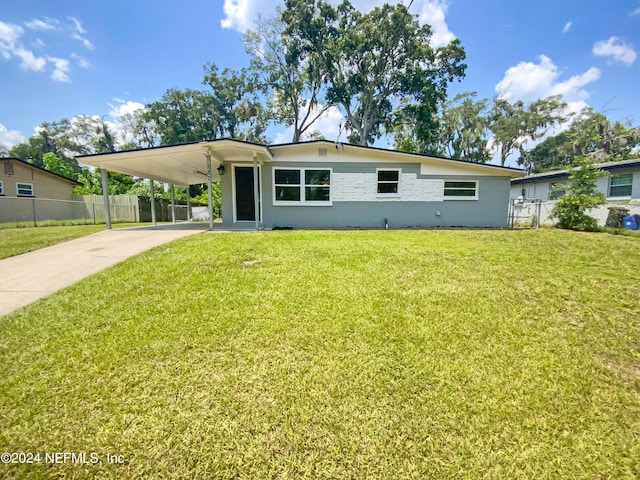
[(46, 24), (123, 107), (567, 27), (9, 138), (9, 35), (119, 126), (79, 32), (530, 81), (61, 69), (13, 38), (241, 14), (433, 13), (81, 61), (29, 60), (77, 25), (87, 44), (636, 11), (616, 49)]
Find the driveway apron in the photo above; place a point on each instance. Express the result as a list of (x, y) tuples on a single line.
[(28, 277)]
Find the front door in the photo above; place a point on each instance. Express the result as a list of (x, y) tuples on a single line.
[(245, 199)]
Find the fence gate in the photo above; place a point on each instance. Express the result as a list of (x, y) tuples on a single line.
[(525, 212)]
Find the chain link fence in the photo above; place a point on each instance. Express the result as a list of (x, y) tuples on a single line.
[(42, 211)]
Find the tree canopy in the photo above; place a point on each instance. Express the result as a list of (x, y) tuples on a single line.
[(379, 69), (590, 134)]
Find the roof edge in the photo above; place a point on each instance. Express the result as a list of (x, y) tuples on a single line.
[(160, 147), (630, 163), (70, 180), (310, 142)]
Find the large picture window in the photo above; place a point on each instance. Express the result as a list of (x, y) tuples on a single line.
[(301, 186), (460, 190), (621, 185)]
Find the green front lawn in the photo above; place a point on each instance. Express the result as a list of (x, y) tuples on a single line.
[(16, 241), (354, 354)]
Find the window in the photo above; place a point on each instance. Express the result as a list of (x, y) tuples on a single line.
[(620, 185), (24, 189), (1, 188), (460, 190), (294, 186), (556, 191), (317, 185), (388, 181), (287, 183)]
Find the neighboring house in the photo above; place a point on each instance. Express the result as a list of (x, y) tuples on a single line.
[(622, 189), (327, 184), (22, 183)]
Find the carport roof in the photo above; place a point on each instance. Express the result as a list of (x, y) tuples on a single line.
[(183, 165)]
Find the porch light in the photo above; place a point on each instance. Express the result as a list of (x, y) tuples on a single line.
[(221, 169)]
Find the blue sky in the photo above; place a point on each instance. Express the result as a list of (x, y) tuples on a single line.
[(60, 58)]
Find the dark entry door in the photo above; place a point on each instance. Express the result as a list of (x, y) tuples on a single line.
[(245, 199)]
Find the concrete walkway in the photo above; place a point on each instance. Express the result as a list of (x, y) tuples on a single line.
[(28, 277)]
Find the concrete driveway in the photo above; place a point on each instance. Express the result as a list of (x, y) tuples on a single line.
[(28, 277)]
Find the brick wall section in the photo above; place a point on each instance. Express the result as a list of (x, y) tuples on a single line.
[(356, 187)]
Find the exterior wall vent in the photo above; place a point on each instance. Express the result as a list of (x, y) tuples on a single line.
[(8, 167), (322, 152)]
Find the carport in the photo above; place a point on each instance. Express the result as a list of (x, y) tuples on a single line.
[(182, 165)]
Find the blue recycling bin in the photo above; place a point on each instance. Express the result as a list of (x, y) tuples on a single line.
[(631, 222)]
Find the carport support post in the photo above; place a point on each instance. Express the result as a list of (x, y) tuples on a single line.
[(105, 195), (209, 190), (256, 193), (173, 204), (188, 205), (153, 203)]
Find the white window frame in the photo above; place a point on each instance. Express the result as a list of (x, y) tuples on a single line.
[(630, 185), (452, 197), (1, 187), (378, 182), (302, 185), (18, 194)]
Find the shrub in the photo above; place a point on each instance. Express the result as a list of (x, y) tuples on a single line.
[(581, 195)]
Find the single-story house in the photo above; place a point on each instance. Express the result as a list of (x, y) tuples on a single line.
[(326, 184), (22, 183), (621, 187)]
